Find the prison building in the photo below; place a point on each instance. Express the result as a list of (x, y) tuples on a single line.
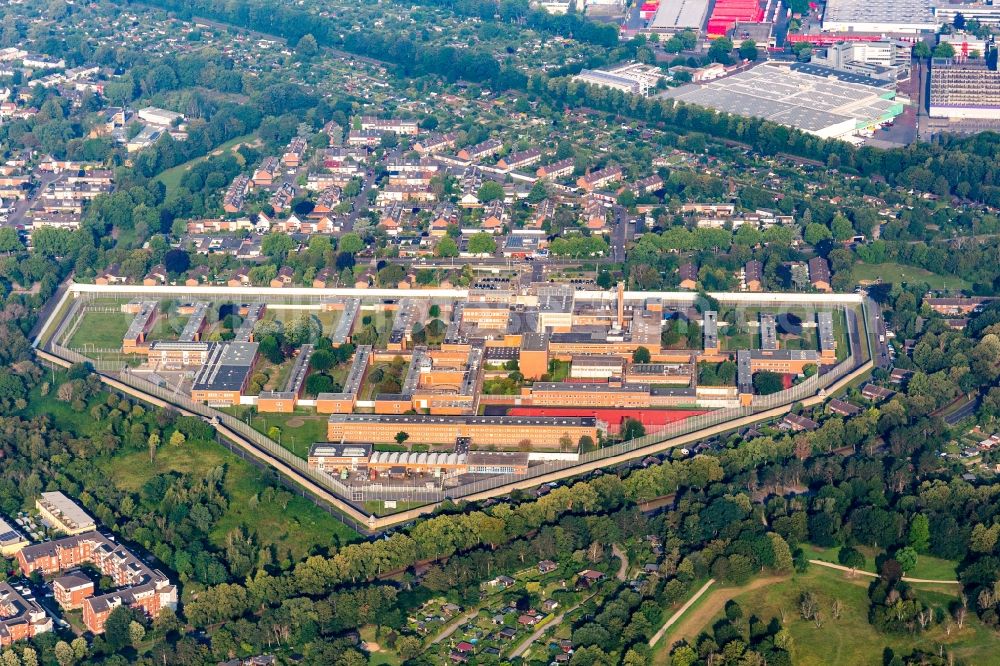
[(482, 431), (224, 377), (195, 323), (596, 367), (404, 463), (768, 332), (574, 394), (827, 341), (333, 458), (343, 402), (254, 312), (20, 618), (342, 331), (407, 313), (744, 377), (419, 361), (490, 316), (498, 462), (175, 355), (789, 361), (659, 373), (534, 355), (710, 329), (453, 335), (284, 401), (142, 322)]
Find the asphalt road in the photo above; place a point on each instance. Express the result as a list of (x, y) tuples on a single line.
[(876, 323)]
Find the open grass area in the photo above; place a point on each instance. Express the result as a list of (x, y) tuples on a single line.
[(299, 430), (897, 273), (294, 528), (849, 639), (379, 654), (928, 567), (101, 330), (171, 178), (326, 319), (377, 507)]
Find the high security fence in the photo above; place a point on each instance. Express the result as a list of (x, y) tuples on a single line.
[(438, 490)]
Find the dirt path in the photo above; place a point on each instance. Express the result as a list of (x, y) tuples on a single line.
[(556, 621), (451, 628), (691, 623), (683, 609), (869, 574), (620, 554)]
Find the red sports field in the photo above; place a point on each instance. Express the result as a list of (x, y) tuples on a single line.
[(653, 419)]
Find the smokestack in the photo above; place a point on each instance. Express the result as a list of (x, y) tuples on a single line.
[(621, 305)]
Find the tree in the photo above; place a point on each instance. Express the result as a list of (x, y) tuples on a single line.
[(351, 243), (816, 233), (640, 355), (401, 437), (490, 191), (920, 533), (9, 240), (446, 247), (944, 50), (307, 46), (538, 192), (482, 243), (767, 382), (632, 429), (409, 647), (748, 50), (177, 260), (720, 50), (116, 628), (907, 558), (841, 228), (136, 633), (64, 654), (851, 557), (153, 442), (921, 50), (177, 438)]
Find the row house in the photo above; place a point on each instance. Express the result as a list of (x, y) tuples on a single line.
[(219, 225), (595, 215), (647, 185), (327, 200), (445, 215), (520, 160), (411, 178), (394, 125), (395, 217), (469, 186), (282, 199), (368, 138), (320, 182), (422, 166), (436, 143), (14, 187), (495, 215), (20, 618), (343, 154), (49, 164), (717, 209), (334, 131), (556, 170), (267, 171), (156, 276), (235, 196), (544, 210), (55, 220), (407, 193), (103, 178), (482, 150), (599, 179), (283, 278), (294, 152), (314, 225)]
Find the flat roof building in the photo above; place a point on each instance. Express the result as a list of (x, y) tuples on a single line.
[(63, 514), (792, 96), (225, 374), (768, 331), (11, 540), (710, 329), (964, 89), (636, 78), (679, 15), (879, 16)]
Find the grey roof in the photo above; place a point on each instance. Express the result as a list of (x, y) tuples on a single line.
[(228, 365), (147, 310), (194, 322), (768, 332)]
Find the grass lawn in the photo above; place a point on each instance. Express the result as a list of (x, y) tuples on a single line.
[(171, 178), (380, 656), (928, 567), (103, 330), (299, 430), (377, 507), (64, 416), (850, 639), (294, 529), (892, 272)]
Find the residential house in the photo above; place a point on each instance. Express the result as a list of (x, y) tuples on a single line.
[(111, 275), (436, 143), (196, 276), (547, 566), (753, 275), (520, 160), (599, 179), (294, 152), (876, 393), (798, 423), (688, 274), (235, 196), (556, 170), (819, 274), (156, 276), (283, 278), (842, 408), (265, 173), (322, 277), (481, 151), (240, 278)]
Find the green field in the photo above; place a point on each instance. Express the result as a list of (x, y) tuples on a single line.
[(928, 567), (295, 529), (171, 178), (299, 430), (848, 640), (103, 330), (892, 272)]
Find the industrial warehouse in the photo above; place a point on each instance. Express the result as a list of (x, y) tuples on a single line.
[(794, 96)]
